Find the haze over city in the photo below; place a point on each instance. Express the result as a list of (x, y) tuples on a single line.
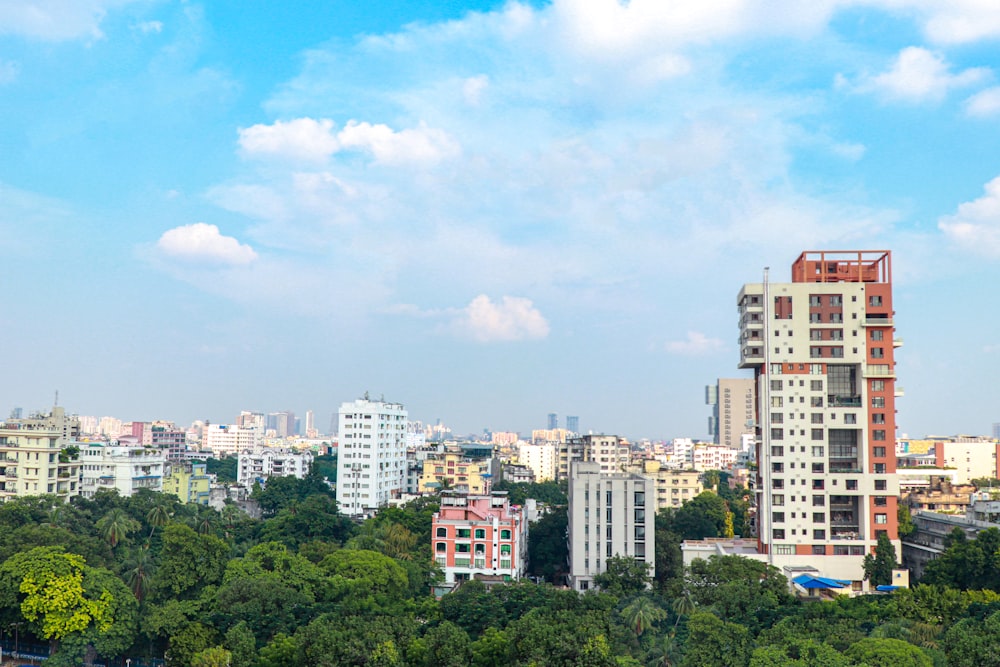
[(485, 211)]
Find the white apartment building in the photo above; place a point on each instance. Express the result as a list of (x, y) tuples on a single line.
[(33, 463), (713, 457), (610, 451), (230, 439), (734, 409), (540, 458), (121, 467), (371, 459), (610, 514), (259, 464), (822, 351), (673, 487)]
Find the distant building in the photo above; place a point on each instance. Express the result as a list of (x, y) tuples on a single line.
[(610, 514), (734, 410), (970, 456), (119, 466), (713, 457), (371, 460), (540, 458), (230, 439), (190, 482), (610, 451), (672, 487), (477, 535), (573, 424), (260, 464), (282, 423), (941, 496), (553, 422), (456, 472), (541, 436), (517, 474)]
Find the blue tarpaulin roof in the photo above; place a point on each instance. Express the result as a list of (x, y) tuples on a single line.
[(810, 581)]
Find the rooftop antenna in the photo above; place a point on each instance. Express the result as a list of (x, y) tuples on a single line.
[(57, 399)]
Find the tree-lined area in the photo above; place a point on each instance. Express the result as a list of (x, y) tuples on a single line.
[(147, 577)]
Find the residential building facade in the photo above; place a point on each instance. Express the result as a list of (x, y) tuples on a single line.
[(454, 471), (540, 458), (259, 464), (119, 466), (189, 481), (734, 409), (610, 451), (822, 351), (479, 535), (371, 459), (33, 462), (672, 487), (610, 514)]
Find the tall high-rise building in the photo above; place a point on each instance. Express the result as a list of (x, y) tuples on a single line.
[(573, 424), (371, 463), (822, 351), (553, 421), (733, 410), (310, 424), (282, 423)]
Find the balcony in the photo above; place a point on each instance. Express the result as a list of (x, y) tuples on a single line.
[(879, 371), (840, 401), (877, 321), (897, 342)]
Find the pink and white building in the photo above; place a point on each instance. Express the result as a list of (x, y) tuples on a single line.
[(479, 535)]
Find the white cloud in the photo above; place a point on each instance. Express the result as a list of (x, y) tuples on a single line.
[(202, 242), (147, 27), (960, 21), (56, 20), (301, 139), (473, 87), (696, 343), (984, 103), (419, 145), (976, 225), (919, 75), (513, 318)]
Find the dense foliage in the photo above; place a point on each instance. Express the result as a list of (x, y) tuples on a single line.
[(148, 577)]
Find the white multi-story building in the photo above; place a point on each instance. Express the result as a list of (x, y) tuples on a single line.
[(32, 463), (540, 458), (822, 351), (371, 459), (610, 514), (713, 457), (733, 410), (673, 487), (230, 439), (121, 467), (259, 464), (610, 451)]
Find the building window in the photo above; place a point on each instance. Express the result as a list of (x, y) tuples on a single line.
[(464, 532), (776, 450), (784, 549), (819, 534), (875, 301), (878, 452), (776, 370), (777, 434), (852, 484), (640, 550), (878, 418), (816, 402), (441, 547), (880, 485), (778, 517), (819, 549), (778, 533), (775, 385), (881, 501), (878, 435), (818, 501), (777, 500), (878, 353), (878, 468), (878, 401), (850, 418), (817, 468), (881, 518), (504, 534), (777, 467), (817, 434), (462, 548), (480, 534), (816, 417), (640, 498), (817, 485), (504, 549), (876, 334), (640, 515), (777, 483), (776, 401), (819, 517), (640, 533), (814, 300), (878, 385), (442, 532)]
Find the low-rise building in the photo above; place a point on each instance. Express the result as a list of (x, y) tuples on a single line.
[(610, 514), (119, 466), (189, 481), (479, 535), (259, 464), (941, 496), (457, 472), (672, 487)]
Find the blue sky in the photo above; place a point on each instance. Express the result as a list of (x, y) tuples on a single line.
[(485, 211)]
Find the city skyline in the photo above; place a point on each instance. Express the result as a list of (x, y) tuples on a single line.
[(486, 211)]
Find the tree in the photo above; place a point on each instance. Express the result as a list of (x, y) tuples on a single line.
[(714, 643), (116, 525), (904, 519), (547, 545), (242, 645), (216, 656), (623, 576), (447, 646), (188, 643), (973, 643), (683, 605), (739, 589), (157, 517), (799, 653), (875, 652), (492, 649), (878, 568), (641, 614), (693, 518), (139, 575), (189, 561), (361, 574)]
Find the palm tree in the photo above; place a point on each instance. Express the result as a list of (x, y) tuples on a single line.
[(157, 517), (683, 605), (641, 614), (140, 574), (116, 525)]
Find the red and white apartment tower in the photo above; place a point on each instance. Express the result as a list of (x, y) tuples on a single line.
[(822, 351)]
